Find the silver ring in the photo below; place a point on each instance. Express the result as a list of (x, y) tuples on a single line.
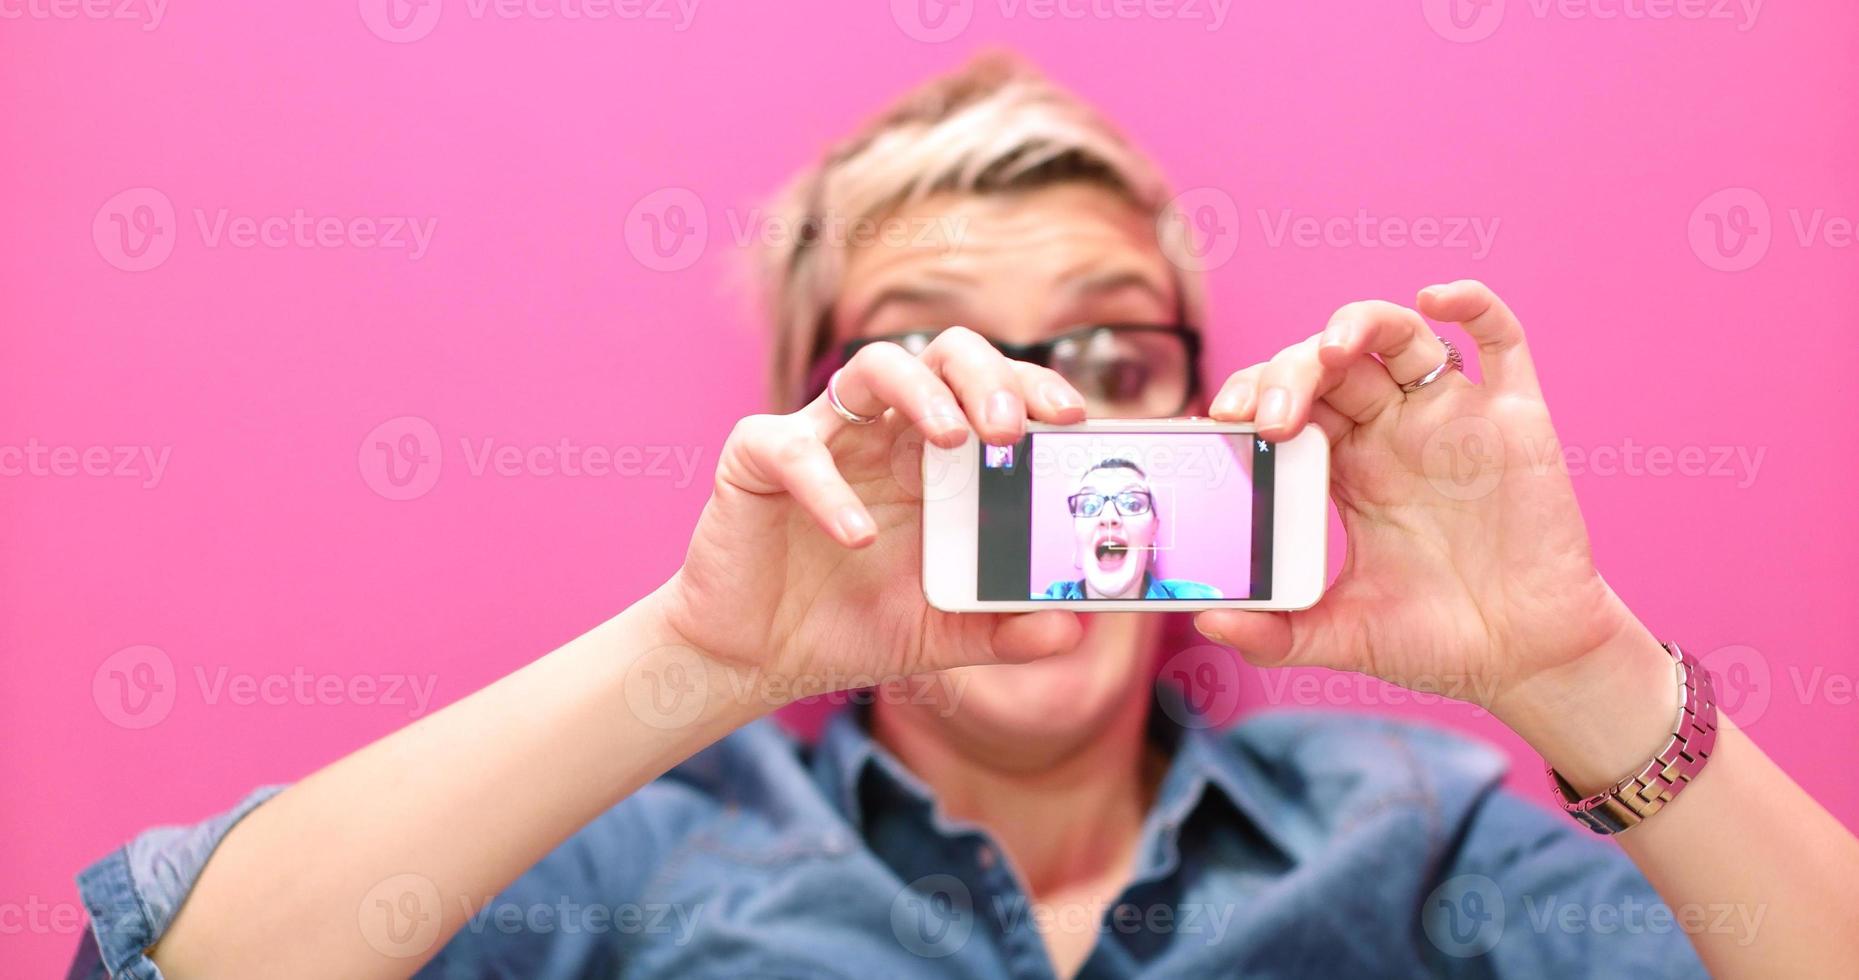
[(1453, 362), (832, 398)]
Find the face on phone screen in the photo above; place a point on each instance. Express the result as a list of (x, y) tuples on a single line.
[(1164, 516)]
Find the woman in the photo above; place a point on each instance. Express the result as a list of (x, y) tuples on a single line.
[(1114, 527), (622, 803)]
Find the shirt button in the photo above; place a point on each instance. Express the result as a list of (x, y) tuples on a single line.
[(984, 856)]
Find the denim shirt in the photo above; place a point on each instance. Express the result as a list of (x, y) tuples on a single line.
[(1295, 844), (1153, 588)]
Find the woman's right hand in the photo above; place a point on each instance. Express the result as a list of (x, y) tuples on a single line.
[(806, 563)]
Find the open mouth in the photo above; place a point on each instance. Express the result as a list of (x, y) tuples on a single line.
[(1111, 553)]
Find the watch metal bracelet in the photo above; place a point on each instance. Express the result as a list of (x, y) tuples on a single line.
[(1694, 734)]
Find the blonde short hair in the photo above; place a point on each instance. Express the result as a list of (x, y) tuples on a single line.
[(996, 125)]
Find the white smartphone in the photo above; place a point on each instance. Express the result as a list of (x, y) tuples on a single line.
[(1136, 515)]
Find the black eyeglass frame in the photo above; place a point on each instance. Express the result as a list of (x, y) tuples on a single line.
[(1038, 352), (1111, 500)]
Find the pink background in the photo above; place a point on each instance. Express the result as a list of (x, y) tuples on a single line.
[(1206, 526), (1646, 177)]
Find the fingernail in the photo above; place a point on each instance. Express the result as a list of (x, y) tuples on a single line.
[(1274, 408), (1431, 292), (1334, 335), (855, 524), (1213, 635), (1233, 402), (1003, 410), (1059, 396)]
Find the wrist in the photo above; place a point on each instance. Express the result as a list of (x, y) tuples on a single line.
[(1600, 717), (669, 682)]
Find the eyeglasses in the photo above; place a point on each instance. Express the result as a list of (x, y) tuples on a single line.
[(1123, 370), (1129, 503)]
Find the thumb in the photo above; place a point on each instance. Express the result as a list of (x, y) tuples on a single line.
[(1032, 636), (1264, 639)]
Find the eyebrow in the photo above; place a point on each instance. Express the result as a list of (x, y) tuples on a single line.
[(1115, 281), (1082, 287), (898, 295)]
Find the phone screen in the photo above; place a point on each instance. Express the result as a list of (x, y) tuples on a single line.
[(1165, 516)]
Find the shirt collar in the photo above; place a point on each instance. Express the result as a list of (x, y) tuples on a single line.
[(1200, 757)]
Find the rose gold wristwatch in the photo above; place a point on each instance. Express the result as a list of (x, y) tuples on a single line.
[(1630, 801)]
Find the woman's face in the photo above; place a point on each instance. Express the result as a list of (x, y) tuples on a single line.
[(1116, 544), (1023, 267)]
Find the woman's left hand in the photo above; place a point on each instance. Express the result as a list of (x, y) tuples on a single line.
[(1468, 569)]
